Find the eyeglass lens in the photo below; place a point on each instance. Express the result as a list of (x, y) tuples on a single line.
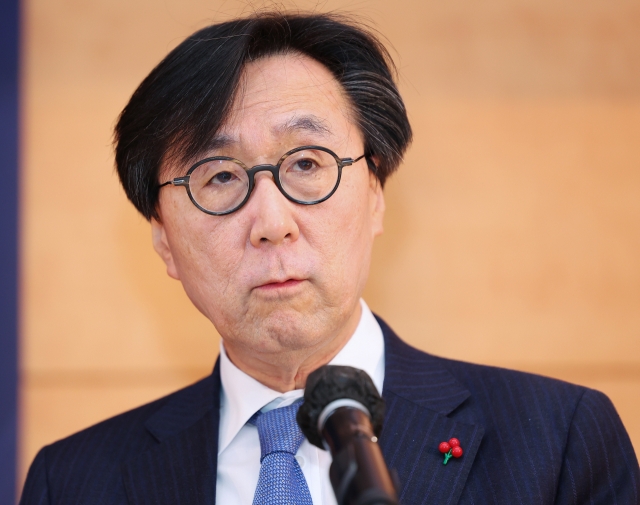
[(306, 176)]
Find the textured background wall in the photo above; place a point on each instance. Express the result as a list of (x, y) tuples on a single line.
[(513, 228)]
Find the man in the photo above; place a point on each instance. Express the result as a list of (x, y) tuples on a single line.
[(258, 150)]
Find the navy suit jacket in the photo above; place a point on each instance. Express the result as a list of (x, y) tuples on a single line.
[(526, 440)]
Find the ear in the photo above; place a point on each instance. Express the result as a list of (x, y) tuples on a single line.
[(376, 203), (162, 247)]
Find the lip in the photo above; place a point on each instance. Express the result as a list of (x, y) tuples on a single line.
[(277, 284)]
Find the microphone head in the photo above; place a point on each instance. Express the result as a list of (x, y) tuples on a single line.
[(329, 383)]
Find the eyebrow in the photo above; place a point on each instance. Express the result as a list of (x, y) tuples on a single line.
[(219, 141), (307, 123)]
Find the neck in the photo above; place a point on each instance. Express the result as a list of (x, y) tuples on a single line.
[(288, 370)]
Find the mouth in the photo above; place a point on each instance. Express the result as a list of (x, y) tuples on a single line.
[(280, 285)]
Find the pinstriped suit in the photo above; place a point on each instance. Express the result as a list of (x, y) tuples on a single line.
[(527, 440)]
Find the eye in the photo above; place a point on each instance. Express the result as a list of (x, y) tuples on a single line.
[(222, 178), (304, 165)]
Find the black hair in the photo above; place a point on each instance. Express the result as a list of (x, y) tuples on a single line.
[(186, 98)]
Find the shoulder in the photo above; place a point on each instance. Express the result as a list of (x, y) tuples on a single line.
[(516, 387), (129, 428), (509, 399), (485, 385), (97, 453), (564, 438)]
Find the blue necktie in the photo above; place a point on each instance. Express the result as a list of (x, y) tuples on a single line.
[(281, 480)]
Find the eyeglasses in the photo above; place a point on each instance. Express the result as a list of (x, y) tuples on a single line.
[(221, 185)]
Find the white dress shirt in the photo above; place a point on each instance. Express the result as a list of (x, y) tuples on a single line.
[(242, 396)]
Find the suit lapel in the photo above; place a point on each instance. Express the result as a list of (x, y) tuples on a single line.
[(420, 395), (181, 469)]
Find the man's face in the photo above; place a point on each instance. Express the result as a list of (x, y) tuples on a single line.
[(276, 276)]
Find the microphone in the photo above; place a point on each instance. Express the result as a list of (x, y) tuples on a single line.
[(343, 413)]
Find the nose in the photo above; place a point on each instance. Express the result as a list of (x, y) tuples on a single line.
[(273, 219)]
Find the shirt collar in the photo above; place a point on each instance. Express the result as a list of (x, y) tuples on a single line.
[(242, 395)]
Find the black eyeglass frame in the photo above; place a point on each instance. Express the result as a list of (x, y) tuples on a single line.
[(251, 172)]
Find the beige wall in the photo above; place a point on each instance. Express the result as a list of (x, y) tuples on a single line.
[(513, 228)]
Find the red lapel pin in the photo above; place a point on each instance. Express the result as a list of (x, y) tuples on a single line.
[(450, 448)]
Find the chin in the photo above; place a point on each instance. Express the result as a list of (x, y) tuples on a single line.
[(291, 330)]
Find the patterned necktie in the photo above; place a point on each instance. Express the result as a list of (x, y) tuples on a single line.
[(281, 480)]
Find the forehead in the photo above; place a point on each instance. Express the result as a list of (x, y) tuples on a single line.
[(288, 95)]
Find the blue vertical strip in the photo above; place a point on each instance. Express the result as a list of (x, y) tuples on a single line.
[(9, 37)]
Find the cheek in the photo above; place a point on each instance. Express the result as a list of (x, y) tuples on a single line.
[(344, 239), (354, 219), (205, 251)]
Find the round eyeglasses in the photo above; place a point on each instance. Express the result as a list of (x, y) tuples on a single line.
[(221, 185)]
